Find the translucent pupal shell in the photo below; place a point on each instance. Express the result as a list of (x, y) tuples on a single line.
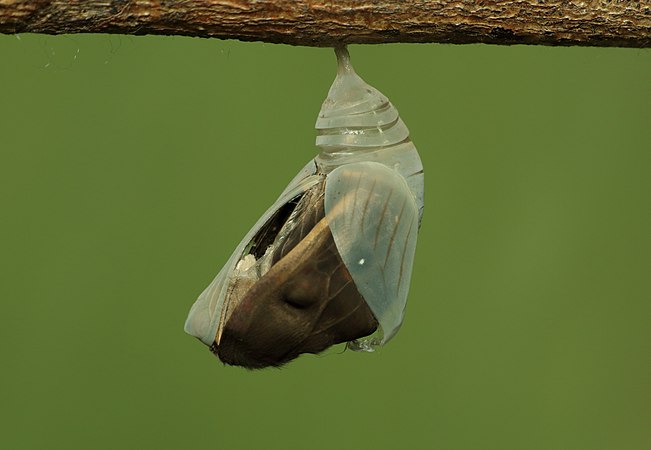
[(374, 193), (351, 215), (374, 221), (209, 313), (356, 116)]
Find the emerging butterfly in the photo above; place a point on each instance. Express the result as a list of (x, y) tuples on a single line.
[(331, 260)]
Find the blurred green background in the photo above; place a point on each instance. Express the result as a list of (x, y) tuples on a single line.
[(130, 167)]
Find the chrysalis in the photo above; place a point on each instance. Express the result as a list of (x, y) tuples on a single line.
[(331, 260)]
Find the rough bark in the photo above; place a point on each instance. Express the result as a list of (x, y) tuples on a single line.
[(328, 23)]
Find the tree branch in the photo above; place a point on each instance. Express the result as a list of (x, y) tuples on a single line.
[(624, 23)]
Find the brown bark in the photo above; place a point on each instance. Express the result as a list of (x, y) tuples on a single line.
[(328, 23)]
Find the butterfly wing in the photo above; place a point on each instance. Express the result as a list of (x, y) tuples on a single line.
[(373, 217), (206, 316)]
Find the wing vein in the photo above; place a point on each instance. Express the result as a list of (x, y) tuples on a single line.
[(393, 233), (368, 200), (379, 225), (402, 260)]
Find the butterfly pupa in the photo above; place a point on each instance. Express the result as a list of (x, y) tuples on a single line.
[(331, 260)]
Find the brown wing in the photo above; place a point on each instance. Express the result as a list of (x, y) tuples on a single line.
[(306, 303)]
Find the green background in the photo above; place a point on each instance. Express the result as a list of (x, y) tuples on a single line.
[(130, 167)]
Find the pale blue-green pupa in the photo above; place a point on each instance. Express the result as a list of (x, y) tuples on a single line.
[(331, 260)]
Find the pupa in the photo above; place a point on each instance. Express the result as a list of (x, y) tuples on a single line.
[(331, 260)]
